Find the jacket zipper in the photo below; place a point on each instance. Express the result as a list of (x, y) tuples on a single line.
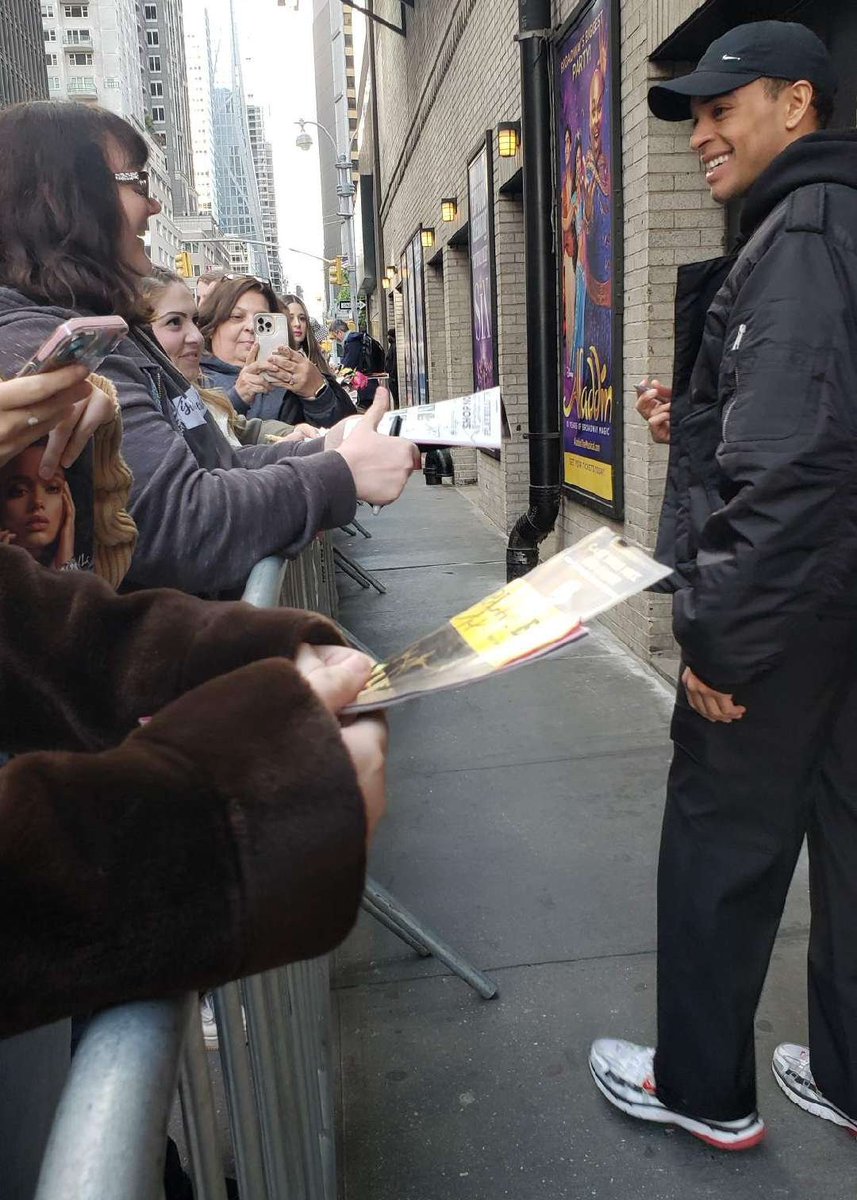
[(736, 345)]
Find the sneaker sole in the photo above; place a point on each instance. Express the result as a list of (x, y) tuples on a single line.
[(824, 1111), (662, 1116)]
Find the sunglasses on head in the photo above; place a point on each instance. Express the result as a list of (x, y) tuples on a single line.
[(255, 278), (139, 180)]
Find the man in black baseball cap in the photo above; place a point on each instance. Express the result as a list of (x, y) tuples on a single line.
[(759, 522), (761, 50)]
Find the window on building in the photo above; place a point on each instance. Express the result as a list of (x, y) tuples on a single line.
[(151, 12), (51, 60), (82, 83), (50, 35), (155, 63), (156, 87), (76, 10), (158, 114), (77, 37), (54, 83), (81, 59), (48, 11), (152, 37)]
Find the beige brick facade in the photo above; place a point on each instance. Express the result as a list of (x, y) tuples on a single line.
[(456, 75)]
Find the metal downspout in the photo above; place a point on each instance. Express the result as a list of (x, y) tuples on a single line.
[(522, 553)]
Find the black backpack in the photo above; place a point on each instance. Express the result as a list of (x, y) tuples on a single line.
[(371, 355)]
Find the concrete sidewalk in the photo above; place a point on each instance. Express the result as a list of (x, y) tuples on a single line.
[(523, 828)]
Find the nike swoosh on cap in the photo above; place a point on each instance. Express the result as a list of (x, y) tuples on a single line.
[(731, 58)]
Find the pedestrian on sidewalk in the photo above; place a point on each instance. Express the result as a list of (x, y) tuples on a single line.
[(760, 524)]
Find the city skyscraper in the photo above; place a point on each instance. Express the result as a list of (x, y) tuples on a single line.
[(165, 91), (23, 75), (263, 163), (200, 90)]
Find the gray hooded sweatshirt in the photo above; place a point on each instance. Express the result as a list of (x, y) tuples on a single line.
[(206, 512)]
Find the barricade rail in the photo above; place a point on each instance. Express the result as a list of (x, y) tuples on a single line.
[(110, 1130)]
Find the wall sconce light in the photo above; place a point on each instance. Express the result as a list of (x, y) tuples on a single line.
[(427, 238), (509, 138), (449, 208), (390, 273), (385, 283)]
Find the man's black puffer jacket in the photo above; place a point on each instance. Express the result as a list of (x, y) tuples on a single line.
[(760, 512)]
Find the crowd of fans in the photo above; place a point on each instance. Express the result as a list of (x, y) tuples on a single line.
[(184, 805)]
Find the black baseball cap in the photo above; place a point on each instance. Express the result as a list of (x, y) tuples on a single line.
[(762, 49)]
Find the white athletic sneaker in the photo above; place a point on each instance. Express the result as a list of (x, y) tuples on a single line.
[(624, 1073), (209, 1025), (790, 1065)]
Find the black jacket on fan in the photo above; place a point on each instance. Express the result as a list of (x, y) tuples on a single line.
[(759, 519)]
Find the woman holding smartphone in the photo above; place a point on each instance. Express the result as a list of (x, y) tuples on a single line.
[(288, 386), (74, 204), (307, 344)]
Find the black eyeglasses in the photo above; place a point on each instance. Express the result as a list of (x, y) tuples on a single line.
[(139, 178)]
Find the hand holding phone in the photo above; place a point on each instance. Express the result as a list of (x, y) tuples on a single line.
[(654, 401), (83, 340)]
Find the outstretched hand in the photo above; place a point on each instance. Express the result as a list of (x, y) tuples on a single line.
[(654, 405), (381, 466), (337, 674)]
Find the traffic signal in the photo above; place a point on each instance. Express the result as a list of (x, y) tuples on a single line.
[(184, 266), (336, 272)]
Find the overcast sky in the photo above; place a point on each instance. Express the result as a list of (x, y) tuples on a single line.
[(277, 62)]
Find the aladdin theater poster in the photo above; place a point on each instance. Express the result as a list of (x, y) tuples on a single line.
[(590, 288)]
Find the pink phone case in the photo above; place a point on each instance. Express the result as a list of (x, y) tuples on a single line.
[(86, 340)]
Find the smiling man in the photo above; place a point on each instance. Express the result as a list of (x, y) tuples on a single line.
[(760, 525)]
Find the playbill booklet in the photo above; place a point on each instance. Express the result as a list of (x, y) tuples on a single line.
[(474, 420), (522, 622)]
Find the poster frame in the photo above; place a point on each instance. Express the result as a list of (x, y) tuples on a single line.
[(614, 509), (416, 344), (486, 144)]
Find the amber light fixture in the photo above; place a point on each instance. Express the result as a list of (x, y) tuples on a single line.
[(449, 209), (385, 283), (509, 138), (427, 238), (390, 273)]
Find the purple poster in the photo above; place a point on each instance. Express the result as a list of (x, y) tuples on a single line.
[(590, 363), (480, 199)]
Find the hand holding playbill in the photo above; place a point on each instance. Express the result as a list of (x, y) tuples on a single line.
[(522, 622)]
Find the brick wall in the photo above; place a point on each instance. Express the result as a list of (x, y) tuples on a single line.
[(457, 75)]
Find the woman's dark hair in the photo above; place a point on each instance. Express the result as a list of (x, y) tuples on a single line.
[(61, 218), (311, 347), (219, 303)]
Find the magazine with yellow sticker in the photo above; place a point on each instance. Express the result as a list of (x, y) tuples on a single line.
[(523, 621)]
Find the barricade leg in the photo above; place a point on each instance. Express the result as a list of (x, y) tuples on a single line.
[(357, 573), (406, 922), (361, 528), (403, 934), (198, 1115), (277, 1131)]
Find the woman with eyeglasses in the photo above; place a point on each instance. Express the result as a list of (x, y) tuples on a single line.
[(288, 386), (74, 206)]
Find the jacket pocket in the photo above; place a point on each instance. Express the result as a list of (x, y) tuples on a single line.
[(765, 390)]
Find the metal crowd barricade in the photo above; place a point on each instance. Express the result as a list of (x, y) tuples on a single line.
[(110, 1130)]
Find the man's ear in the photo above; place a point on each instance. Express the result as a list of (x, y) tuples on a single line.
[(798, 99)]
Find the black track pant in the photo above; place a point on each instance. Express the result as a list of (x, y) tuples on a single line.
[(740, 800)]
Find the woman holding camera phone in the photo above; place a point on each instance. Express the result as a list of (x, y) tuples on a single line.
[(74, 204), (287, 386)]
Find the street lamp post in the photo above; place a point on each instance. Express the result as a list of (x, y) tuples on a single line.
[(345, 190)]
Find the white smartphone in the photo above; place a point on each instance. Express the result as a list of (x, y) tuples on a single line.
[(85, 340), (272, 331)]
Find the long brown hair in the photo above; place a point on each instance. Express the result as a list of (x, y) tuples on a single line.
[(219, 303), (311, 347), (61, 218)]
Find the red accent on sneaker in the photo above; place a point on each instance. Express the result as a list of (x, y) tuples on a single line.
[(649, 1086), (745, 1144)]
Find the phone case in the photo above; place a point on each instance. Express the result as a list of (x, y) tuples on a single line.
[(86, 340), (272, 331)]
